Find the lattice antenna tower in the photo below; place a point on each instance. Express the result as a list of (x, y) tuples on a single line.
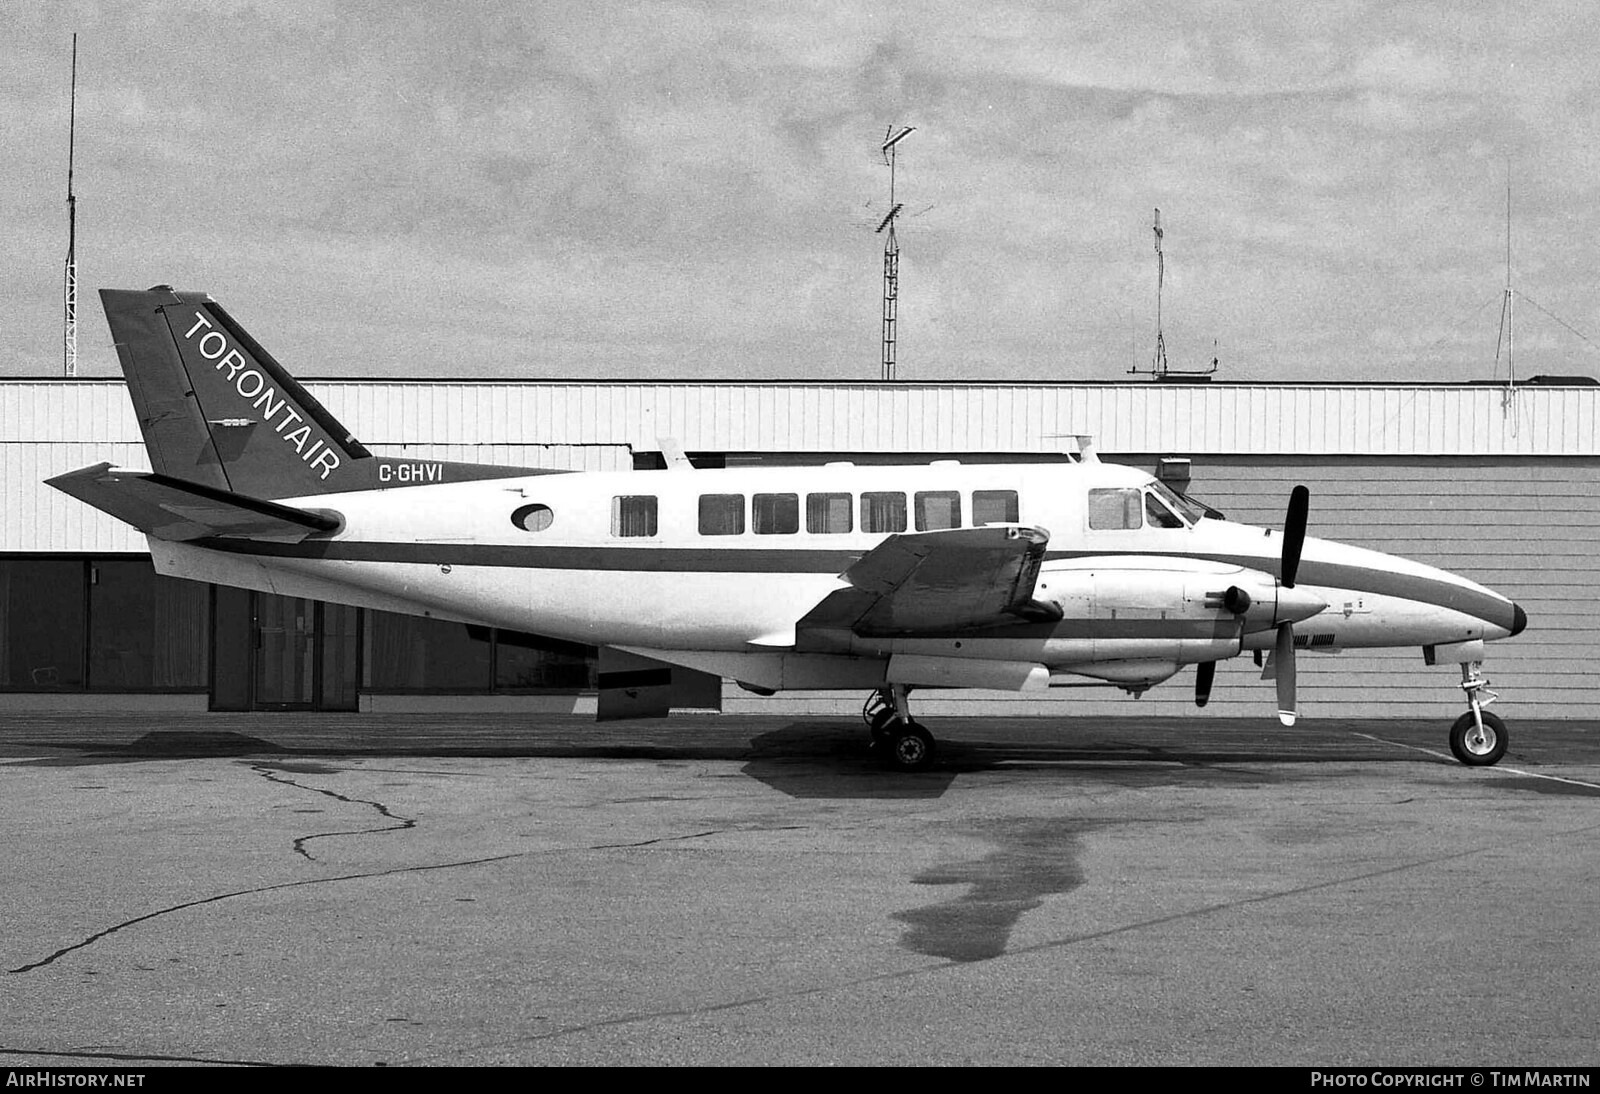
[(70, 282), (891, 252)]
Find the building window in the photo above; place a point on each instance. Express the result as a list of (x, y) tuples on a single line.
[(937, 509), (41, 625), (994, 507), (146, 632), (1115, 509), (533, 518), (828, 513), (633, 515), (721, 514), (883, 512), (776, 514)]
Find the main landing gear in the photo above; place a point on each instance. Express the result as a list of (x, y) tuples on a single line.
[(896, 736), (1478, 738)]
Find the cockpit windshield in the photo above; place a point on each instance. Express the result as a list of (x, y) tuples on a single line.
[(1186, 507)]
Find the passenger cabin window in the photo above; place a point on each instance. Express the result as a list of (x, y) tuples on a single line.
[(1159, 515), (633, 515), (883, 512), (937, 509), (775, 514), (1113, 509), (828, 513), (721, 514), (994, 507), (533, 518)]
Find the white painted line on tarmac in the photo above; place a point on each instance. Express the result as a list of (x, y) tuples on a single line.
[(1500, 769)]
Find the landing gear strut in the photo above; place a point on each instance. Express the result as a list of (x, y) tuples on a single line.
[(896, 736), (1478, 738)]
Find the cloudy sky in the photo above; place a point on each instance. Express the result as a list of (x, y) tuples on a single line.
[(543, 188)]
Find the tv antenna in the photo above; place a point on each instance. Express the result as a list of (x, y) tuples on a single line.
[(70, 283), (891, 253), (1507, 336), (1158, 360)]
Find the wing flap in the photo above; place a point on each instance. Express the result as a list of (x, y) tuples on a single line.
[(950, 580), (174, 509)]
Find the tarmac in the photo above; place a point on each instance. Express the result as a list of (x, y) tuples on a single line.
[(279, 889)]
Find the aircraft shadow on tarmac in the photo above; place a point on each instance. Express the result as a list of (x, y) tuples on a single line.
[(814, 759)]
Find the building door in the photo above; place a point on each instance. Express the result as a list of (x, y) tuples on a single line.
[(283, 653)]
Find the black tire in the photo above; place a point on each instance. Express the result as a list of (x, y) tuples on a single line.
[(910, 747), (1472, 751)]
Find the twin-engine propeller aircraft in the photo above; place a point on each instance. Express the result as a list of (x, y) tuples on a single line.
[(881, 578)]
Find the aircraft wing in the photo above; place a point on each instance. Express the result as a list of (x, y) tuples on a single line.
[(174, 509), (951, 580)]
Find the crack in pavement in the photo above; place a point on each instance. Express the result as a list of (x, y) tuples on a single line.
[(383, 810), (98, 935)]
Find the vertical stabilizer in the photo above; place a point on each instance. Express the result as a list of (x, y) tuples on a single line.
[(216, 408)]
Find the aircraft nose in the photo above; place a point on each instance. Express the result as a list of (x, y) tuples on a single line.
[(1295, 604), (1519, 620)]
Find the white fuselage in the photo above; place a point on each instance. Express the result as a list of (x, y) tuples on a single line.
[(714, 567)]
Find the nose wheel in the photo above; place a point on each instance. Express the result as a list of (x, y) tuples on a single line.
[(899, 739), (1478, 738)]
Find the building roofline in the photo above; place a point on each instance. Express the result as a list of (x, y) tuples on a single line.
[(886, 385)]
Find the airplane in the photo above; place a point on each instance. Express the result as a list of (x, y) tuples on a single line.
[(886, 579)]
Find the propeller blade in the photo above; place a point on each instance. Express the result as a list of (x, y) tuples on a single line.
[(1283, 657), (1204, 673), (1294, 534)]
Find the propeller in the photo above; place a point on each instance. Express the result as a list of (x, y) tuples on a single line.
[(1290, 606), (1294, 539), (1204, 673)]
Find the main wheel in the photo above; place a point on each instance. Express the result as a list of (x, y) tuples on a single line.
[(1477, 750), (910, 747)]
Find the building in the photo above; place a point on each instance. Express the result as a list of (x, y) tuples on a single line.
[(1501, 486)]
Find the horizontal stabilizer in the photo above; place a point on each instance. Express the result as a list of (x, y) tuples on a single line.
[(173, 509)]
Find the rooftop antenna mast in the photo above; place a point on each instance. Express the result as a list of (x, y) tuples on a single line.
[(891, 253), (1507, 307), (70, 286), (1158, 360)]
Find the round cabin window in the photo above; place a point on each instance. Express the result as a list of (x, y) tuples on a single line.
[(533, 518)]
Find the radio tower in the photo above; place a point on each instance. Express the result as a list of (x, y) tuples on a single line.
[(70, 287), (891, 254)]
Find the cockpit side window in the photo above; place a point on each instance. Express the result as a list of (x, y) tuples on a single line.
[(1116, 508), (1159, 516)]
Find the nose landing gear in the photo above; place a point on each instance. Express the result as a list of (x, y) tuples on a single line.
[(1478, 738), (899, 739)]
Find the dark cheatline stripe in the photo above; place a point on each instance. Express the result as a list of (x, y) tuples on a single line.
[(1427, 590)]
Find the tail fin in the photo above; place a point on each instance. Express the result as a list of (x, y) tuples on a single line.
[(216, 409)]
